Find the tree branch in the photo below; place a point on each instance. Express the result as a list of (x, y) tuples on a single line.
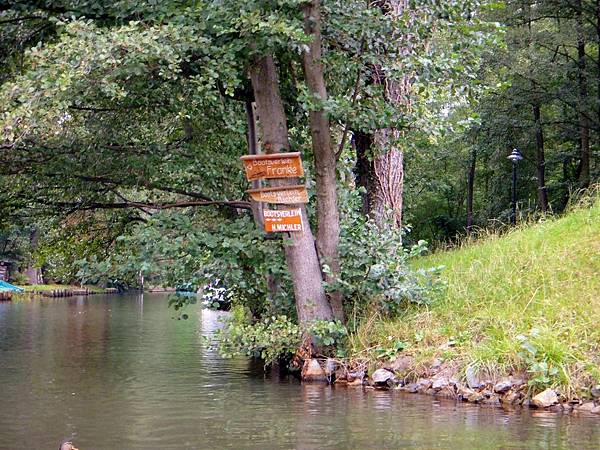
[(154, 206), (21, 19)]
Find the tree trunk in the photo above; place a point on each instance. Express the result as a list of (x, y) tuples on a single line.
[(34, 274), (387, 181), (471, 189), (540, 159), (539, 132), (382, 177), (257, 207), (584, 126), (328, 218), (300, 252)]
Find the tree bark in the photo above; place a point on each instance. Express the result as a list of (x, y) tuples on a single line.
[(382, 176), (387, 181), (257, 207), (540, 159), (584, 126), (471, 189), (300, 252), (328, 218), (34, 274)]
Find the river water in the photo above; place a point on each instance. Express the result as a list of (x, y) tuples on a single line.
[(119, 373)]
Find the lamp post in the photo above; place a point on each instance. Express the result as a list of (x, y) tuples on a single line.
[(514, 158)]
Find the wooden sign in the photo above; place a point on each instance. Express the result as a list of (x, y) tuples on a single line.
[(283, 220), (283, 195), (278, 165)]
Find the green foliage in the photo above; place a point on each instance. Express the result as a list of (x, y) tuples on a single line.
[(134, 105), (196, 250), (518, 69), (330, 337), (178, 302), (19, 279), (15, 242), (276, 338), (271, 338), (95, 68), (375, 267), (392, 350), (545, 361), (137, 108)]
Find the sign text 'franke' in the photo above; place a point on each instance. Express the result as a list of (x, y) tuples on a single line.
[(278, 165)]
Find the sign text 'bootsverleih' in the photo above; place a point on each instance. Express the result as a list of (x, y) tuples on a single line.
[(283, 220)]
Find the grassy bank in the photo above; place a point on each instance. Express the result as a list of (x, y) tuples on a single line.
[(52, 287), (526, 302)]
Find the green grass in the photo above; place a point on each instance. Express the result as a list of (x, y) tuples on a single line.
[(51, 287), (511, 302)]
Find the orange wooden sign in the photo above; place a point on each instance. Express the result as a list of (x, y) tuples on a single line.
[(283, 195), (283, 220), (278, 165)]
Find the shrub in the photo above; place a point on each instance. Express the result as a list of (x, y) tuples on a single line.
[(275, 337), (375, 268), (269, 339)]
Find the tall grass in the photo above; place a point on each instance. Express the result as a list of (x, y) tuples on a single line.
[(526, 301)]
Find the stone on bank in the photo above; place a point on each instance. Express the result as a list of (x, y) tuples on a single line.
[(545, 399), (312, 371)]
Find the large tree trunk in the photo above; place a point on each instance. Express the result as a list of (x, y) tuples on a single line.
[(471, 189), (257, 207), (300, 251), (382, 177), (328, 218), (34, 275), (584, 126), (540, 159), (387, 180)]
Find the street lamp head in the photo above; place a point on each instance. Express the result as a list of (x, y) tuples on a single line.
[(515, 156)]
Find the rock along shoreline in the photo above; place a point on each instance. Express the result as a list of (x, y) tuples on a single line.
[(441, 380)]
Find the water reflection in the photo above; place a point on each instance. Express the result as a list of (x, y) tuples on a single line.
[(118, 372)]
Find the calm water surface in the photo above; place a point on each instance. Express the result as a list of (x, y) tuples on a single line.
[(119, 373)]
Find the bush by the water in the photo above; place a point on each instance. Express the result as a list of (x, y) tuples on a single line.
[(275, 337)]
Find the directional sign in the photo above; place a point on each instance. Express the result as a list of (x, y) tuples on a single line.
[(284, 195), (283, 220), (278, 165)]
